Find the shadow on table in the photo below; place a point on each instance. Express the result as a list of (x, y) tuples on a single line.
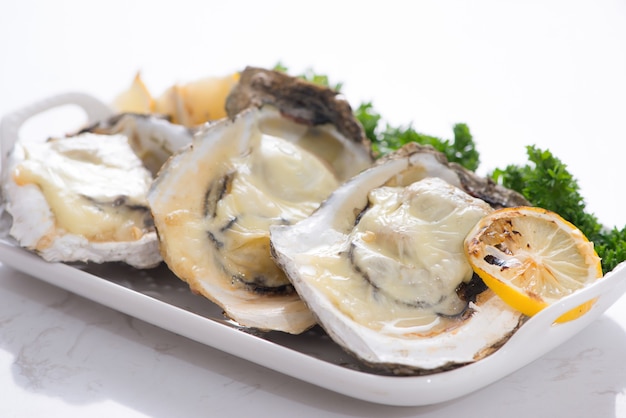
[(71, 348)]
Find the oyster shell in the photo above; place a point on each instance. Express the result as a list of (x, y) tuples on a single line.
[(81, 198), (152, 139), (309, 105), (273, 163), (381, 265), (426, 161), (213, 203)]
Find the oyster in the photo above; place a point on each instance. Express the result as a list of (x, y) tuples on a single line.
[(425, 161), (214, 201), (81, 198), (152, 139), (381, 265), (344, 146)]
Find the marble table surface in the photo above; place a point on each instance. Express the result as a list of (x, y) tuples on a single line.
[(518, 73), (64, 355)]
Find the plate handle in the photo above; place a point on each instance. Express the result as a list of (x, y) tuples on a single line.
[(543, 326)]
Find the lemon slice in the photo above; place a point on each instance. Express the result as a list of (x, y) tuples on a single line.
[(532, 257)]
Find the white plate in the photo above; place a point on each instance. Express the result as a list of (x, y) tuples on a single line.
[(159, 298)]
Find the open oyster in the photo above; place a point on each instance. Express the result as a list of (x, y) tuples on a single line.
[(82, 198), (381, 265), (214, 201), (297, 99)]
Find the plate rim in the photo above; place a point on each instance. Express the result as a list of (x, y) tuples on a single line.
[(381, 389)]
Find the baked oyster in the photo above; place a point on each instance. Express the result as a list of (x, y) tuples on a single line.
[(382, 267), (82, 197), (339, 140), (214, 201)]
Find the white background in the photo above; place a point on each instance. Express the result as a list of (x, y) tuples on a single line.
[(548, 73)]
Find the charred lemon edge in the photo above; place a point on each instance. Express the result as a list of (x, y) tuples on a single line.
[(526, 303)]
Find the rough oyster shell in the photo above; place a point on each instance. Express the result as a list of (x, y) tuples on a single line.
[(345, 270), (426, 161), (307, 104)]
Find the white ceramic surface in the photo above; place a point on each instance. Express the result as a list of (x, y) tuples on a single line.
[(159, 299)]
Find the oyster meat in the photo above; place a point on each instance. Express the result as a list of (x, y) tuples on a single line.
[(214, 202), (381, 265)]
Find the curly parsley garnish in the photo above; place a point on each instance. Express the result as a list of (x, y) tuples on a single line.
[(546, 182), (461, 149)]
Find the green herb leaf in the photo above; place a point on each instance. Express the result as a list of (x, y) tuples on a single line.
[(544, 180), (312, 77), (461, 150), (546, 183)]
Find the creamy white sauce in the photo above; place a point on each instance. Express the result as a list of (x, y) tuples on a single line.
[(90, 183), (401, 265)]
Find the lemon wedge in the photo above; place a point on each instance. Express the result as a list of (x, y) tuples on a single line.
[(531, 258), (135, 99), (196, 102)]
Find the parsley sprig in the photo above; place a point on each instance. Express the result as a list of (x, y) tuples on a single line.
[(546, 182), (461, 149)]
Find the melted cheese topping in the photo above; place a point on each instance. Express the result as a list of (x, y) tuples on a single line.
[(276, 183), (404, 260), (217, 210), (94, 184)]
